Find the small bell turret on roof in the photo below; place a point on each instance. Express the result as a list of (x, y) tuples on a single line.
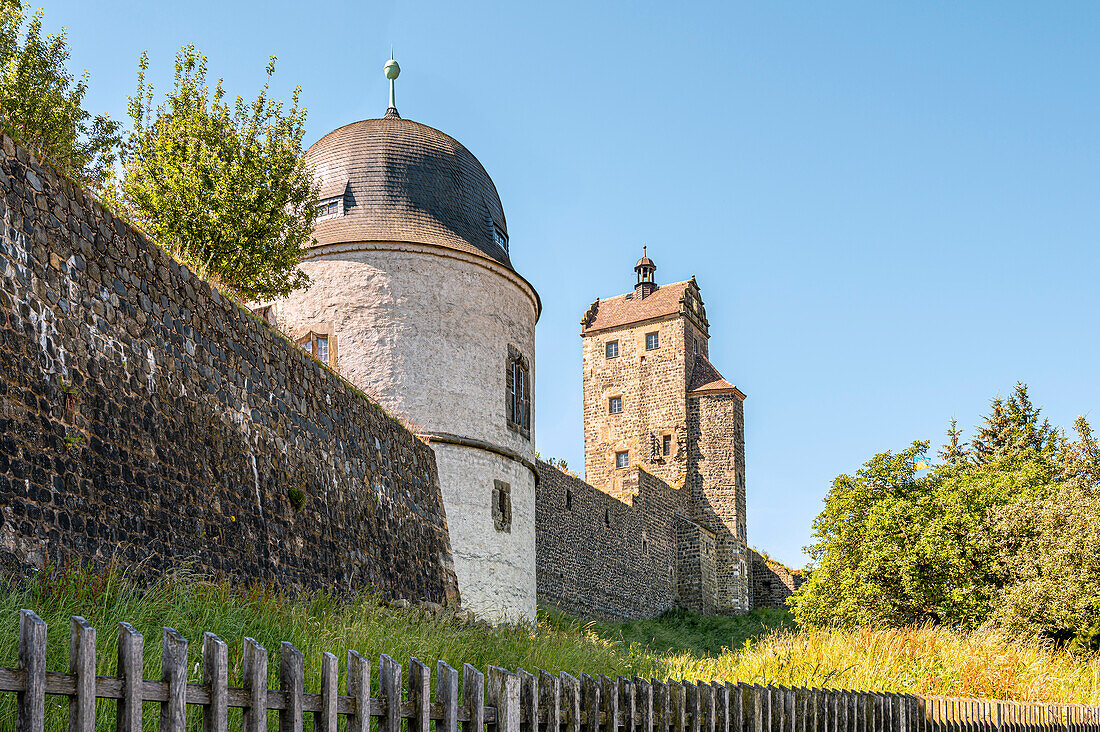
[(645, 269)]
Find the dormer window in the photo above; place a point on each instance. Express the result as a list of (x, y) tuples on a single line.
[(317, 345), (330, 208), (500, 238)]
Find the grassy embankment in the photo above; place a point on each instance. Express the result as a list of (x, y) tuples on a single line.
[(763, 647)]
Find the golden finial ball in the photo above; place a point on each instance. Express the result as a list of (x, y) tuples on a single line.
[(391, 69)]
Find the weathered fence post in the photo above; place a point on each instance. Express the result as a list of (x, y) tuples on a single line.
[(446, 694), (420, 684), (628, 703), (389, 688), (528, 701), (722, 706), (662, 711), (31, 712), (358, 684), (692, 708), (609, 696), (571, 693), (131, 669), (173, 671), (82, 665), (473, 698), (677, 703), (590, 692), (550, 698), (644, 703), (254, 678), (292, 684), (503, 694), (325, 719), (215, 674)]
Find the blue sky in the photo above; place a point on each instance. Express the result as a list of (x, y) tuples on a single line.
[(891, 208)]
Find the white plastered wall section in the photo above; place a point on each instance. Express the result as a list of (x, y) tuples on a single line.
[(495, 569), (425, 331)]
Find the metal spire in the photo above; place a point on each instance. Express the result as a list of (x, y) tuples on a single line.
[(392, 70)]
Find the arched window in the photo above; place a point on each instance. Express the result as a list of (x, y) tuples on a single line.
[(518, 397)]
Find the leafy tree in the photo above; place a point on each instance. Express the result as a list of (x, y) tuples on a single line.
[(41, 101), (1050, 548), (225, 186), (892, 548)]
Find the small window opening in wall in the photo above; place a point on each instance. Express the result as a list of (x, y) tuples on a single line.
[(502, 506), (316, 345), (622, 459), (695, 345), (607, 517), (568, 500), (645, 544), (666, 444), (612, 349), (652, 341), (615, 405)]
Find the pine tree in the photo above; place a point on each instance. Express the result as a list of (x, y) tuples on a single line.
[(954, 452), (1011, 427)]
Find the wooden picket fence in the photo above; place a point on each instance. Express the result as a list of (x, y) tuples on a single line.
[(509, 702)]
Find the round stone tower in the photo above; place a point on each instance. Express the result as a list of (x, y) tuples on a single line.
[(415, 301)]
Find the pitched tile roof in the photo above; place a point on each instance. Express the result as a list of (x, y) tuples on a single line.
[(705, 379), (629, 308), (407, 182)]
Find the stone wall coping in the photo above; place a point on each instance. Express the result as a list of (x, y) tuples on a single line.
[(447, 438)]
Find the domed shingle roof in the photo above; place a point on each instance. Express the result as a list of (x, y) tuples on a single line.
[(403, 181)]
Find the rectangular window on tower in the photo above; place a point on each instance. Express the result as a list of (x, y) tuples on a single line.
[(622, 459), (612, 349), (615, 405), (652, 341), (666, 445), (517, 400)]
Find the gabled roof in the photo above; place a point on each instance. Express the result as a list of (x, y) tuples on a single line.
[(705, 379), (629, 308)]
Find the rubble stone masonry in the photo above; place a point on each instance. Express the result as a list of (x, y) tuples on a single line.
[(604, 556), (146, 418)]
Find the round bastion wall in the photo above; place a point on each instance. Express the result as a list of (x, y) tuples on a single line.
[(426, 331)]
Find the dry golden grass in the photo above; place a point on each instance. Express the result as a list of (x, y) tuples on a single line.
[(984, 663)]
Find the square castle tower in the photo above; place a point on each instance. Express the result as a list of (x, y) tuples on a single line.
[(653, 402)]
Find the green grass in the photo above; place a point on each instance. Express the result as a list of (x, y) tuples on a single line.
[(679, 631), (761, 647)]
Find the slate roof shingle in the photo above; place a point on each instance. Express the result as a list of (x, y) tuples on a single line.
[(407, 182)]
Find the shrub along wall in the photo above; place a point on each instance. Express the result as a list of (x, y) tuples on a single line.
[(146, 417)]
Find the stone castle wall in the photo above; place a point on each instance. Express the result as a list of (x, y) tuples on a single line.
[(599, 556), (772, 584), (146, 418), (716, 479), (652, 386)]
